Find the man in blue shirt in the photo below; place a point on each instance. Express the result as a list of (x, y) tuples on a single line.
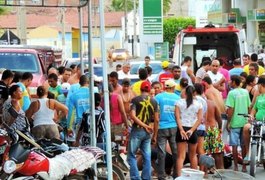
[(79, 101), (167, 126), (26, 80)]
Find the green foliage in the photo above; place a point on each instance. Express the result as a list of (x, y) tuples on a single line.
[(119, 5), (166, 6), (173, 25), (3, 10)]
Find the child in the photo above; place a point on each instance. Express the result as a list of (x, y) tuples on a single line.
[(84, 130)]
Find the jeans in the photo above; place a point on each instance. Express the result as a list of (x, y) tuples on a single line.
[(139, 138), (164, 135)]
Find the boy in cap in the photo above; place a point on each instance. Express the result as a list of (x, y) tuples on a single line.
[(143, 107)]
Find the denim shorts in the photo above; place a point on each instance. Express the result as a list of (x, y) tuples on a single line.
[(236, 137)]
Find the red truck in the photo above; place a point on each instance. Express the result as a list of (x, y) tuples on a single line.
[(34, 59)]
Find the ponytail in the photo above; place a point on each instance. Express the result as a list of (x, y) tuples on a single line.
[(189, 95)]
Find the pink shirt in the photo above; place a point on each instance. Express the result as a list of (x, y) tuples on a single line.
[(115, 114), (225, 73)]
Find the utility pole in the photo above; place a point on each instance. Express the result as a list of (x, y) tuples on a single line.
[(21, 23), (62, 22), (134, 30), (125, 23)]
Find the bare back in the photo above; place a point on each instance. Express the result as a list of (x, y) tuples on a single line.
[(213, 115), (215, 95)]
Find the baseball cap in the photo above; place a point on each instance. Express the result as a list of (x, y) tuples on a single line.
[(146, 86), (126, 81), (165, 64), (170, 83), (65, 87)]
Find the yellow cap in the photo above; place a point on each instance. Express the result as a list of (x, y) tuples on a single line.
[(165, 64)]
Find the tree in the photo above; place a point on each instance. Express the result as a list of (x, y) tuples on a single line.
[(166, 6), (173, 25), (119, 5)]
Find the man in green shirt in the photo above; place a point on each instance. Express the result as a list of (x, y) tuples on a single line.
[(258, 111), (238, 101)]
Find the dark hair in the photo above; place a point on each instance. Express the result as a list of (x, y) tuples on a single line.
[(155, 82), (175, 67), (244, 74), (12, 89), (254, 57), (147, 57), (208, 80), (246, 55), (114, 74), (118, 66), (41, 91), (255, 65), (199, 89), (26, 76), (207, 62), (17, 77), (7, 74), (184, 82), (72, 66), (50, 95), (67, 69), (61, 69), (236, 79), (97, 99), (142, 74), (83, 80), (149, 69), (250, 79), (187, 59), (189, 95), (53, 76)]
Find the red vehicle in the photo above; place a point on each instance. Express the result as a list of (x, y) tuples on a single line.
[(228, 43), (34, 59)]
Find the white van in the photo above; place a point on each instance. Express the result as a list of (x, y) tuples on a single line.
[(227, 43)]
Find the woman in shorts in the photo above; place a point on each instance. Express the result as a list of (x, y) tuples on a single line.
[(188, 113)]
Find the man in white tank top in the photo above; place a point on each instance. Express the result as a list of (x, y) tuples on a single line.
[(186, 71)]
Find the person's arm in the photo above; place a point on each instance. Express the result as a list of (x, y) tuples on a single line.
[(230, 112), (31, 110), (60, 107), (218, 118), (191, 75), (156, 123), (149, 129), (122, 110), (220, 85), (198, 121), (181, 130)]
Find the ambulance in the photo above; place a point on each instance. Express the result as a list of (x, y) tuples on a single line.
[(227, 43)]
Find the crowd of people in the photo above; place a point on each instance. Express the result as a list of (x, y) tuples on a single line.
[(177, 113)]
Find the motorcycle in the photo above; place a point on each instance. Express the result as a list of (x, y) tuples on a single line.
[(21, 159)]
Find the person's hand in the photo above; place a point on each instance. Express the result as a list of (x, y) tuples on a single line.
[(228, 128), (149, 129), (69, 132), (183, 135), (251, 119), (154, 141), (189, 133)]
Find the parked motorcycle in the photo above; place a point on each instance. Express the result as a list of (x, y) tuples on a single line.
[(21, 159)]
